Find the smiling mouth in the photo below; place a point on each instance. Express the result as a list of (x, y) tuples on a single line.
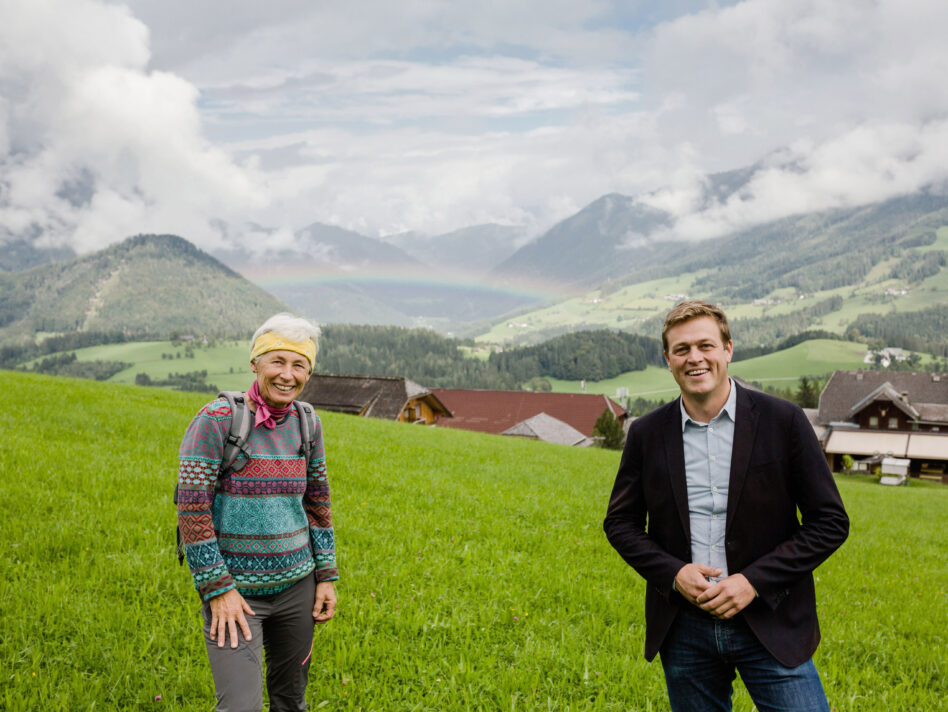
[(698, 372), (285, 389)]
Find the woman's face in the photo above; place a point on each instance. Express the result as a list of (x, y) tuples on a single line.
[(281, 376)]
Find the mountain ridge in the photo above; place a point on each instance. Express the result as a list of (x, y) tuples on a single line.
[(146, 284)]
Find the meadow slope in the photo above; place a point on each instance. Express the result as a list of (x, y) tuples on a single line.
[(475, 575)]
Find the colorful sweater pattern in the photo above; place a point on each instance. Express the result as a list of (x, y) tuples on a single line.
[(262, 529)]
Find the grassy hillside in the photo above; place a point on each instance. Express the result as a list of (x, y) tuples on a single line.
[(227, 362), (782, 368), (475, 575), (149, 284), (636, 307)]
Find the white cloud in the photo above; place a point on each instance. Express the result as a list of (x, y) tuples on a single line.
[(429, 116), (98, 148)]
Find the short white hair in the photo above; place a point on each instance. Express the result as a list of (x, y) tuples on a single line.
[(290, 327)]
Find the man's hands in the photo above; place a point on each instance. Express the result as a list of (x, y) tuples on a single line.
[(227, 612), (724, 599), (692, 580), (325, 606)]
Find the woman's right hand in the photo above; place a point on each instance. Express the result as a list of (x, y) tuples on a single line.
[(227, 612)]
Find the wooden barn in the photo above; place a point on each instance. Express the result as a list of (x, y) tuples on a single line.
[(386, 397), (896, 414)]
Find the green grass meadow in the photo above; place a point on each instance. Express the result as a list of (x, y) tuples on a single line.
[(474, 571), (782, 369), (227, 363)]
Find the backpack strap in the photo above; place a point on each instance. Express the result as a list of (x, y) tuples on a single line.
[(307, 429), (240, 425), (179, 543), (234, 444)]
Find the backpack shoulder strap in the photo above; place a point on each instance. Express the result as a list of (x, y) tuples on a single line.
[(240, 426), (307, 429)]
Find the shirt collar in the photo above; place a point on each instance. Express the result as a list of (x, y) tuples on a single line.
[(730, 408)]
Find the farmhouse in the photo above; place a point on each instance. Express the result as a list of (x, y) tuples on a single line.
[(548, 429), (514, 413), (389, 398), (874, 414)]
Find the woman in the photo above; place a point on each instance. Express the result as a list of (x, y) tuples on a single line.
[(259, 542)]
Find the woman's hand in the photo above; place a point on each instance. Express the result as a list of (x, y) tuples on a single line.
[(325, 606), (227, 612)]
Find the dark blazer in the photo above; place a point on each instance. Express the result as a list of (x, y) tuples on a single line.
[(777, 466)]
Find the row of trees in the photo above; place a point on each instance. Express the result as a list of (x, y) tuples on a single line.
[(925, 330), (191, 381), (67, 365), (427, 357), (590, 355)]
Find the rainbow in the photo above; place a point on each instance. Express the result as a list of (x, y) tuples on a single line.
[(274, 276)]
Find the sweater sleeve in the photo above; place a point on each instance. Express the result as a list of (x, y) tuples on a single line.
[(316, 502), (199, 462)]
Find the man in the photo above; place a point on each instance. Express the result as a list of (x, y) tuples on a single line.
[(705, 509)]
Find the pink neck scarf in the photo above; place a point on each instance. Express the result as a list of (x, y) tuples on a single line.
[(266, 415)]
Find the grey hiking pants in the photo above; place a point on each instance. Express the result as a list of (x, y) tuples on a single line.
[(283, 627)]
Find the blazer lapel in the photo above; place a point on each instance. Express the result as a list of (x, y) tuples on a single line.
[(675, 461), (745, 428)]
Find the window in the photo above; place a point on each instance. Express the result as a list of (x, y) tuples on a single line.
[(893, 423), (873, 421)]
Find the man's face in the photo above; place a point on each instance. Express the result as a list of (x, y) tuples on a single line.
[(698, 358), (281, 376)]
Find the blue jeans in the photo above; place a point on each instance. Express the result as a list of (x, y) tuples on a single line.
[(700, 655)]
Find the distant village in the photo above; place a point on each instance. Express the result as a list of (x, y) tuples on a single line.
[(892, 423)]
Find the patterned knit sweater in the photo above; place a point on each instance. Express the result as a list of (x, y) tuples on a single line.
[(261, 529)]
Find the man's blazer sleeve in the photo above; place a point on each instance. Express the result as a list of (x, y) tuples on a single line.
[(629, 512)]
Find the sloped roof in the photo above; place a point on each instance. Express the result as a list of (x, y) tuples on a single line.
[(497, 411), (933, 446), (932, 412), (867, 442), (887, 393), (812, 415), (549, 429), (376, 396), (847, 388)]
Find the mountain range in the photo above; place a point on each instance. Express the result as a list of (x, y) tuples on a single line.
[(616, 263), (333, 275)]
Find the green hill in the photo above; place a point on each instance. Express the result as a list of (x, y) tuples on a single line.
[(149, 284), (782, 369), (474, 571), (860, 269)]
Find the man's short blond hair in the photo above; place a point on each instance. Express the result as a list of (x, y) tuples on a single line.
[(695, 309)]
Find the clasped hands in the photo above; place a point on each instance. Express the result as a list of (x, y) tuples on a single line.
[(724, 599), (228, 613)]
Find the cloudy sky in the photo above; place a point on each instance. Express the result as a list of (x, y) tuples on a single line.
[(203, 118)]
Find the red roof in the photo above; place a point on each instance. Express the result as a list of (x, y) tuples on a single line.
[(496, 411)]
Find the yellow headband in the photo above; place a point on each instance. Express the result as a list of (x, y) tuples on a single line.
[(273, 342)]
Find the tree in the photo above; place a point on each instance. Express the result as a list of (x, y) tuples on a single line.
[(807, 395), (609, 429)]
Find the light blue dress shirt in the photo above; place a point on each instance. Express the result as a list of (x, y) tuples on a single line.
[(707, 472)]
